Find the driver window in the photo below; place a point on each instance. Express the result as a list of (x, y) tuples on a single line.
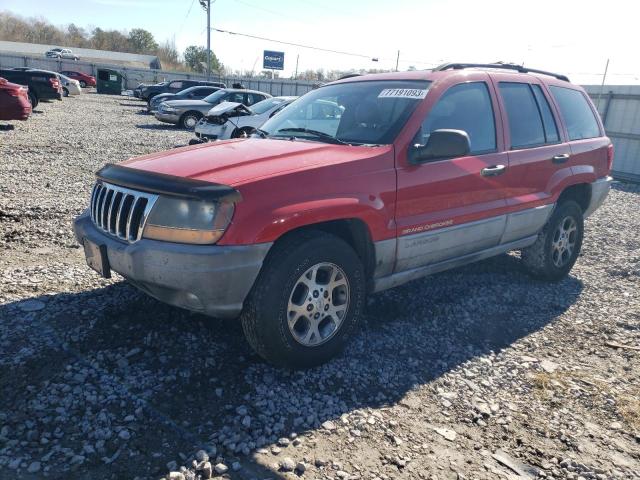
[(467, 107)]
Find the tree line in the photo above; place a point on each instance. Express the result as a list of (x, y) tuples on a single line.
[(14, 28)]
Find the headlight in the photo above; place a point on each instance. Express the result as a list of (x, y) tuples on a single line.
[(166, 108), (188, 221)]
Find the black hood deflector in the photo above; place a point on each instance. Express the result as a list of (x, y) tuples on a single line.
[(164, 184)]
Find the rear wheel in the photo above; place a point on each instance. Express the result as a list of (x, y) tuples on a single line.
[(83, 84), (33, 100), (558, 245), (307, 301), (189, 120), (65, 92)]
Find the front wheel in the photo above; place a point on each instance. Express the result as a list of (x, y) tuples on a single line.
[(65, 92), (189, 120), (83, 84), (558, 245), (306, 302)]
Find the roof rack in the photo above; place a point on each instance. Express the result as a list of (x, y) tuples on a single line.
[(504, 66)]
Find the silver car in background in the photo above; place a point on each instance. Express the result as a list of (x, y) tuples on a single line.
[(187, 113), (235, 120)]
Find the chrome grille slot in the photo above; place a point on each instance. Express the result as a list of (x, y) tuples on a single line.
[(119, 211)]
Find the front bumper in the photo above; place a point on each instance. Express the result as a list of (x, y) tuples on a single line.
[(209, 279), (167, 117), (599, 191), (207, 131)]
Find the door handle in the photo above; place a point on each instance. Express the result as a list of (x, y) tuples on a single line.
[(493, 171), (560, 158)]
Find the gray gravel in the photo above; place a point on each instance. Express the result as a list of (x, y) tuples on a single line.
[(475, 373)]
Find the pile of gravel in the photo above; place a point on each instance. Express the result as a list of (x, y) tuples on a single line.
[(479, 372)]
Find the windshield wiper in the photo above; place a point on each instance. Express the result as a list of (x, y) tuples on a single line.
[(315, 133), (262, 133)]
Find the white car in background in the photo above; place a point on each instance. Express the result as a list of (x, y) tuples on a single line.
[(235, 120), (69, 85)]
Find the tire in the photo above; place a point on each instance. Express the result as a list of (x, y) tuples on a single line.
[(65, 92), (83, 84), (189, 120), (265, 318), (244, 132), (556, 250), (33, 100)]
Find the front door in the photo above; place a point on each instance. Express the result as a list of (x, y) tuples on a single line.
[(452, 207)]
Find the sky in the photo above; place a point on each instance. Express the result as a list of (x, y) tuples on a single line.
[(567, 36)]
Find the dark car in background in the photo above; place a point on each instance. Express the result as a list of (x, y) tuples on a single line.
[(191, 93), (174, 86), (187, 113), (84, 79), (42, 85), (14, 101)]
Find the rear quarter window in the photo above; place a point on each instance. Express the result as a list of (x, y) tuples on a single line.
[(576, 113)]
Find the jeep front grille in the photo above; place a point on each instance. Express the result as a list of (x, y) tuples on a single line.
[(119, 211)]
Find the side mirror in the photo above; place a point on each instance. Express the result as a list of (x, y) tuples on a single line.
[(442, 144)]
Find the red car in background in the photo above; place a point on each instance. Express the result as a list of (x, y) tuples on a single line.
[(85, 79), (14, 101)]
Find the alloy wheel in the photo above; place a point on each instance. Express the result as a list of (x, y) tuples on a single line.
[(563, 242), (318, 304)]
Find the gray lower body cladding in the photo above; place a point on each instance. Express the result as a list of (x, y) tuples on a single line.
[(209, 279)]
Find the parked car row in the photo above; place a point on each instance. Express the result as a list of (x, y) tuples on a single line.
[(191, 104), (23, 88)]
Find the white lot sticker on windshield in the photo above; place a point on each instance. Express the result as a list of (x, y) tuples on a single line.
[(416, 93)]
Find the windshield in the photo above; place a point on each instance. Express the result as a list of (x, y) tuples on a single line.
[(215, 96), (369, 112), (265, 105), (186, 91)]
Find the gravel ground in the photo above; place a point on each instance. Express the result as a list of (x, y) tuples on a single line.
[(474, 373)]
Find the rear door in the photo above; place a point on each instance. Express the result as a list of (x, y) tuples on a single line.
[(584, 131), (453, 207), (539, 156)]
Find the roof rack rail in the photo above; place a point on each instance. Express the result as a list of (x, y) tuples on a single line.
[(505, 66), (349, 75)]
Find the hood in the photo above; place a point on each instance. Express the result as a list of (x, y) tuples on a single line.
[(162, 96), (234, 162), (187, 103), (228, 108)]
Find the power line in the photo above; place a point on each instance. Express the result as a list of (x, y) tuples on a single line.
[(186, 16), (339, 52)]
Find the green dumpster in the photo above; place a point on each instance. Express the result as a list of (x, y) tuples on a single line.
[(109, 81)]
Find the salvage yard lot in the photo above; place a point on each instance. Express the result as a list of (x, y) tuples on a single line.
[(480, 372)]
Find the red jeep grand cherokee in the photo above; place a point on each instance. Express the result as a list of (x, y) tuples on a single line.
[(414, 173)]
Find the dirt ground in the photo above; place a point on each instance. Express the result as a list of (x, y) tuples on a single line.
[(476, 373)]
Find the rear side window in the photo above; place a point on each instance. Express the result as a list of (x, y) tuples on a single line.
[(576, 112), (525, 121), (549, 123), (467, 107)]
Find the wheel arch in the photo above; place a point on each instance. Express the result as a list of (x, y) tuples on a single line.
[(353, 231), (578, 192)]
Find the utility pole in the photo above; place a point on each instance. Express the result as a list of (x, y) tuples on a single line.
[(206, 4), (604, 77), (397, 60), (296, 75)]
